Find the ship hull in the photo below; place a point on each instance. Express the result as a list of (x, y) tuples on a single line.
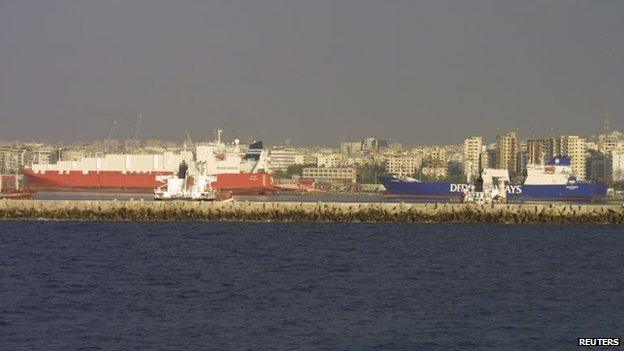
[(396, 187), (576, 192), (245, 183), (140, 182), (515, 192), (18, 195)]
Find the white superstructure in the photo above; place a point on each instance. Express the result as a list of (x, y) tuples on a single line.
[(165, 162), (551, 174), (187, 188), (210, 158)]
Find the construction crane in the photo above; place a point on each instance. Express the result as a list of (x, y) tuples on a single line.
[(111, 131), (188, 140), (137, 128), (606, 123)]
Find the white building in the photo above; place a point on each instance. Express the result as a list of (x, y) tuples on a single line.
[(369, 144), (617, 162), (282, 158), (608, 141), (330, 173), (507, 152), (72, 154), (437, 171), (574, 147), (41, 155), (329, 159), (12, 158), (403, 164), (350, 147), (472, 155)]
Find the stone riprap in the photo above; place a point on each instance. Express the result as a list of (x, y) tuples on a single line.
[(321, 212)]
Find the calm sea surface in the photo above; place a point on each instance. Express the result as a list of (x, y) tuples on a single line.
[(273, 286)]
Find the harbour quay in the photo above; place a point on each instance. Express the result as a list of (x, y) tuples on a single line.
[(137, 210)]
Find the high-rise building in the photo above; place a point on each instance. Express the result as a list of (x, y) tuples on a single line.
[(369, 144), (608, 141), (13, 158), (71, 154), (598, 167), (617, 163), (330, 160), (507, 152), (41, 155), (403, 164), (382, 144), (539, 150), (574, 147), (472, 155), (488, 156), (283, 157), (350, 147)]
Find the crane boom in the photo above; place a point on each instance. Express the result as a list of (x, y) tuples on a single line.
[(111, 131)]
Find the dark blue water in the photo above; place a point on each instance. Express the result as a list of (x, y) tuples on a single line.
[(269, 286)]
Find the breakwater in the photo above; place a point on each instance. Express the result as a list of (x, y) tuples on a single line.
[(322, 212)]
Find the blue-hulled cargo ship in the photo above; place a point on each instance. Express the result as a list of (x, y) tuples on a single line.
[(552, 181), (410, 187)]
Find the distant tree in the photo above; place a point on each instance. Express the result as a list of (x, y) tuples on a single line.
[(292, 170), (367, 174), (278, 173), (297, 169), (428, 177), (455, 178), (619, 185)]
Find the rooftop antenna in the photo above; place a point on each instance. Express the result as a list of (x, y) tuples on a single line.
[(606, 124), (137, 128)]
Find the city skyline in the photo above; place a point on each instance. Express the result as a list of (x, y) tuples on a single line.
[(313, 72), (210, 136)]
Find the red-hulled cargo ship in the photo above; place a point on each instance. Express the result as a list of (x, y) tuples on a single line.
[(113, 181), (145, 172)]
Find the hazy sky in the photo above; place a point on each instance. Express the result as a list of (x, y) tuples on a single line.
[(313, 71)]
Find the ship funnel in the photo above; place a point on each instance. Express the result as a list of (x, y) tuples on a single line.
[(255, 149), (182, 170)]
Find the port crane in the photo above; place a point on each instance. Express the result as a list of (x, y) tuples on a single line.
[(137, 128)]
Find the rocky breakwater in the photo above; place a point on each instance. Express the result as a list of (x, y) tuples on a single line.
[(321, 212)]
